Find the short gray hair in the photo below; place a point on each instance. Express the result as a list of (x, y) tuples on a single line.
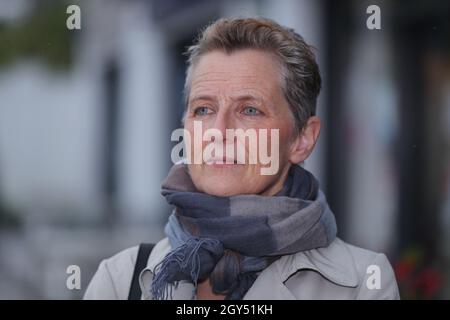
[(299, 70)]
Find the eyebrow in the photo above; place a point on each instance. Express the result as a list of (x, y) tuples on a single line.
[(236, 98), (247, 97), (201, 97)]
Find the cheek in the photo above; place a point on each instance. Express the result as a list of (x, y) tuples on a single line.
[(284, 147), (278, 140), (192, 147), (198, 177)]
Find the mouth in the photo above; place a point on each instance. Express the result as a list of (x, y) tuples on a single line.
[(224, 161)]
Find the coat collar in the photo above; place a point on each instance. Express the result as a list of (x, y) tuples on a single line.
[(335, 263)]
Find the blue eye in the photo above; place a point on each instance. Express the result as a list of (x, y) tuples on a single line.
[(201, 111), (251, 111)]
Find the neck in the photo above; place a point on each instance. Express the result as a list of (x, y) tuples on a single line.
[(205, 292)]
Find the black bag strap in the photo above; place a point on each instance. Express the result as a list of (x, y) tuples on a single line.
[(141, 262)]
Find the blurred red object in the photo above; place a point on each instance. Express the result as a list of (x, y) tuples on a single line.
[(416, 278)]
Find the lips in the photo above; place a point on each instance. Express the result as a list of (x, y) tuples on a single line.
[(223, 160)]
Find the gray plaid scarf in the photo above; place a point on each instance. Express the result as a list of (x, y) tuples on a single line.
[(231, 239)]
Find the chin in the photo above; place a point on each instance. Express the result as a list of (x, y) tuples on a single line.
[(221, 189), (225, 181)]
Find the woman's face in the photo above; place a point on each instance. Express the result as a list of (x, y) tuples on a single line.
[(241, 90)]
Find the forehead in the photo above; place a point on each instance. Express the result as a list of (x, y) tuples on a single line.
[(242, 70)]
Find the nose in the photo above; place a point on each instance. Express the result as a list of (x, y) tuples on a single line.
[(222, 122)]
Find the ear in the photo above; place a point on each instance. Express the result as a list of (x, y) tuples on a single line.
[(305, 141)]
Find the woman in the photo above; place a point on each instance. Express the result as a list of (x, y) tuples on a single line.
[(236, 233)]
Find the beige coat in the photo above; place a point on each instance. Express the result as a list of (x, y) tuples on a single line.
[(339, 271)]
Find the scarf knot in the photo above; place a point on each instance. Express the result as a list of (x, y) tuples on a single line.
[(183, 263)]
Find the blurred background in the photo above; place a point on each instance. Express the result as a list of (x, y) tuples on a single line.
[(86, 117)]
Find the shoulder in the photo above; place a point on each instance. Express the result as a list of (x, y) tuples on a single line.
[(363, 258), (112, 279), (375, 274)]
